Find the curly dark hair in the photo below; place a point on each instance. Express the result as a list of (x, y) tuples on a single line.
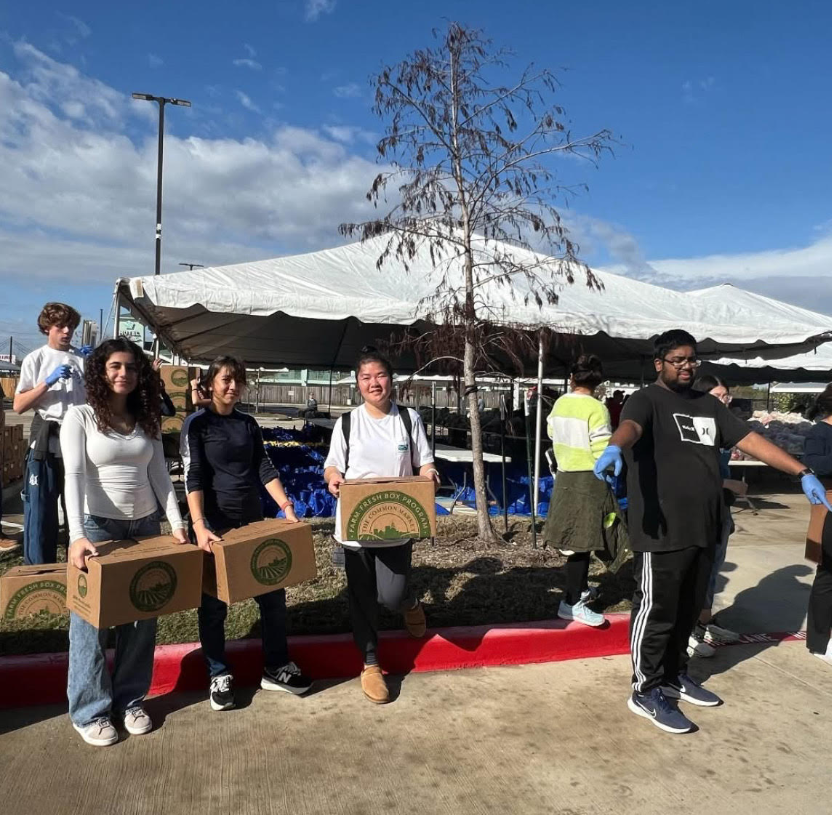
[(143, 403)]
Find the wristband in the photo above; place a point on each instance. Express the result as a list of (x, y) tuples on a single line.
[(197, 520), (289, 503), (807, 471)]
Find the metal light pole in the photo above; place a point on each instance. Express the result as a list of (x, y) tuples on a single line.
[(162, 101)]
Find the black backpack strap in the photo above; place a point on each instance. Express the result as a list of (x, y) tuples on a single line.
[(345, 429), (407, 421)]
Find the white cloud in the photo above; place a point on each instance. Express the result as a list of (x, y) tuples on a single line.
[(347, 134), (81, 28), (349, 91), (247, 63), (155, 61), (249, 50), (315, 8), (245, 101), (77, 194)]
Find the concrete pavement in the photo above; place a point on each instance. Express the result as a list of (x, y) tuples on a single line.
[(554, 738)]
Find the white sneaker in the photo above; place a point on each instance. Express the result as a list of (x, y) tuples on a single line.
[(581, 613), (699, 649), (99, 733), (824, 657), (137, 722)]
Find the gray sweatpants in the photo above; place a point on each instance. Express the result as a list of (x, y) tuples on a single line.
[(379, 575)]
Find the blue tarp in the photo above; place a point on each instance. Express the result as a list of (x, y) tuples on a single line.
[(299, 458)]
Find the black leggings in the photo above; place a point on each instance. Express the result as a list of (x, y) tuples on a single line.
[(820, 600), (577, 574)]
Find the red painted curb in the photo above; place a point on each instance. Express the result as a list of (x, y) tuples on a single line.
[(41, 678)]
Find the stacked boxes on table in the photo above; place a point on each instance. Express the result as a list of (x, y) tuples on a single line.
[(177, 381), (12, 454)]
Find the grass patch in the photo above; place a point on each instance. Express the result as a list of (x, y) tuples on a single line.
[(460, 580)]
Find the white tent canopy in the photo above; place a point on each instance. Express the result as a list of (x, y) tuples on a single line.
[(317, 310)]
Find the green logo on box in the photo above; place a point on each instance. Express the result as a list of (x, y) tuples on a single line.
[(271, 562), (179, 378), (388, 515), (48, 595), (153, 586), (82, 585)]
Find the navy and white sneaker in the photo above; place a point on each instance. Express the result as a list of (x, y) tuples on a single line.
[(590, 594), (222, 692), (687, 690), (654, 707), (288, 678)]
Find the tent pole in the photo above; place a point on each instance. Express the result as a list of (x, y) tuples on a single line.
[(117, 317), (768, 398), (330, 393), (527, 424), (538, 424), (433, 418)]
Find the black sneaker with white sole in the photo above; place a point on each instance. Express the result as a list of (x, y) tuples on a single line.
[(687, 690), (287, 678), (222, 692)]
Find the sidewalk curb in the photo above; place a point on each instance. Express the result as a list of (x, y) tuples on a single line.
[(40, 679)]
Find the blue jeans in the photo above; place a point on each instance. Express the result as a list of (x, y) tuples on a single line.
[(43, 486), (92, 692), (212, 615)]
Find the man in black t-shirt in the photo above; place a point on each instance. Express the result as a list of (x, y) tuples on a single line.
[(671, 436)]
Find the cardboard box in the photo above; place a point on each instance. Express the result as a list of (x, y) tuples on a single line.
[(259, 558), (177, 381), (814, 535), (376, 509), (25, 590), (135, 580)]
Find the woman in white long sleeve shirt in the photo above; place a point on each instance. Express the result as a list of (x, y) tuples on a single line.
[(115, 481)]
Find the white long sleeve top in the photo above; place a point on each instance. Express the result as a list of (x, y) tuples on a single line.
[(112, 475)]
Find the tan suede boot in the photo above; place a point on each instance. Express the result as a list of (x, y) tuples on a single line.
[(374, 686), (415, 622), (8, 544)]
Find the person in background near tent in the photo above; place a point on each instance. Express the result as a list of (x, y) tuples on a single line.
[(225, 461), (673, 435), (199, 394), (166, 406), (614, 405), (51, 382), (6, 544), (707, 631), (579, 426), (818, 456), (378, 441), (115, 481)]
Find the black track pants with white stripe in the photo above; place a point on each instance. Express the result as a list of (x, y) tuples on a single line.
[(670, 590)]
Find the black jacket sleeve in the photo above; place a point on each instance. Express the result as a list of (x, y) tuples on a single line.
[(167, 407), (261, 463), (195, 459)]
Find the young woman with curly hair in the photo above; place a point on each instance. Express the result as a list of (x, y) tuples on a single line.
[(115, 481)]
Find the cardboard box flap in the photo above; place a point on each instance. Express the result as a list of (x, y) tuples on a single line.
[(405, 479), (269, 526), (139, 548), (32, 571)]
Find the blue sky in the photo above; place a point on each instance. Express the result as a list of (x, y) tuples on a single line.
[(722, 174)]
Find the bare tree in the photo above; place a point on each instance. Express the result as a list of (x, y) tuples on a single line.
[(473, 165)]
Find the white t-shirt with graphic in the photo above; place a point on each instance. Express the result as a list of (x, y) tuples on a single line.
[(378, 448), (61, 396)]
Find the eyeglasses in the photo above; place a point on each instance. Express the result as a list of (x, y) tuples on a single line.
[(679, 362)]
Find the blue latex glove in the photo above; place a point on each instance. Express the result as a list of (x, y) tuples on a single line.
[(86, 350), (61, 372), (814, 490), (609, 459)]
